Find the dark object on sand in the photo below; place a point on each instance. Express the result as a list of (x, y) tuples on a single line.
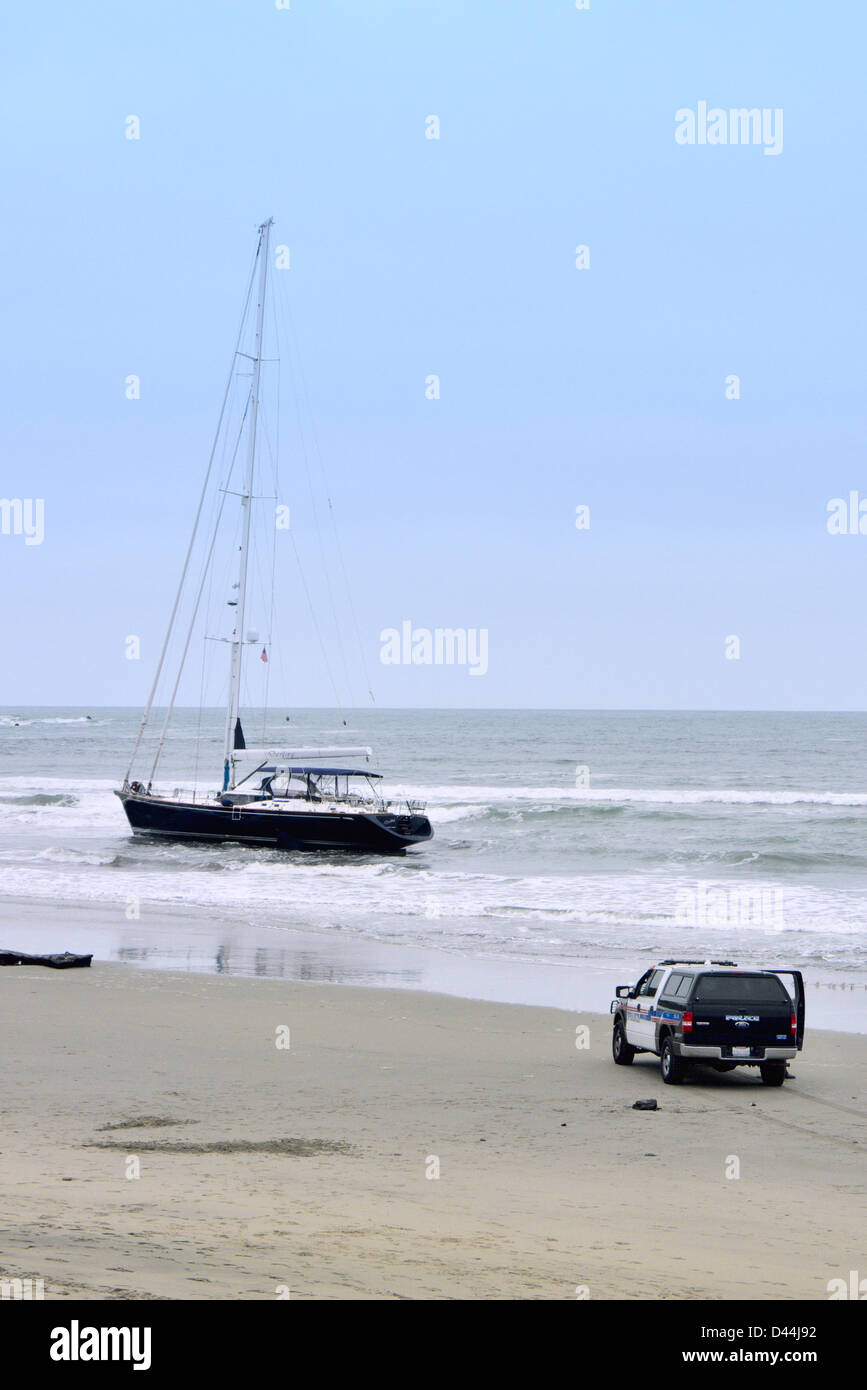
[(645, 1105), (65, 961)]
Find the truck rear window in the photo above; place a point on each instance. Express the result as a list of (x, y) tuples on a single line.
[(740, 989)]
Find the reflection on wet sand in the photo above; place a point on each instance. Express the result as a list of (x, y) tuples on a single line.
[(266, 962)]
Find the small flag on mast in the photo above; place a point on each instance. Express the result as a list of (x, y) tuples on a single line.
[(264, 656)]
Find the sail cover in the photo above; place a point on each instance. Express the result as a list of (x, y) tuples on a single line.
[(299, 755)]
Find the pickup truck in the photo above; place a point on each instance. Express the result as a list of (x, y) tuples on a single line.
[(710, 1011)]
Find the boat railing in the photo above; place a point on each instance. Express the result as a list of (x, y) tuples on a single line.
[(188, 794), (379, 805), (401, 806)]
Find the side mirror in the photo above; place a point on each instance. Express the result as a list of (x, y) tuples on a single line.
[(624, 992)]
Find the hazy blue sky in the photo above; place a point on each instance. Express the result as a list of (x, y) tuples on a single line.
[(456, 257)]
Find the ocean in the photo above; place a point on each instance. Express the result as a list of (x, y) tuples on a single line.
[(566, 843)]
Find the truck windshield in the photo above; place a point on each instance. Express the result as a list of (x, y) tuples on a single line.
[(737, 989)]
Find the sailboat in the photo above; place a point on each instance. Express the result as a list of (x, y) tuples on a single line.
[(279, 797)]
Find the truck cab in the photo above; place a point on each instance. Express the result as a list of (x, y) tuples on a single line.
[(711, 1012)]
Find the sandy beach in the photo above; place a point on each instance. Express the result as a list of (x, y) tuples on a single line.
[(302, 1170)]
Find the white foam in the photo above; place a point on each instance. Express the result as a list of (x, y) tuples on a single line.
[(672, 796), (58, 854), (78, 719), (441, 815), (7, 720), (379, 898)]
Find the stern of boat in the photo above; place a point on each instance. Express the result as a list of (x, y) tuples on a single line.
[(411, 828)]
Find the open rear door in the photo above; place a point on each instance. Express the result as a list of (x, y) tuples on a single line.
[(799, 1002)]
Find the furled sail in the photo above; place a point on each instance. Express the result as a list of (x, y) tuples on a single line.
[(302, 755)]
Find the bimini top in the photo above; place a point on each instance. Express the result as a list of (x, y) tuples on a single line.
[(323, 771)]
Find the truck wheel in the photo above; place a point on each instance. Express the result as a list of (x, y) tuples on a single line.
[(620, 1048), (673, 1068), (773, 1073)]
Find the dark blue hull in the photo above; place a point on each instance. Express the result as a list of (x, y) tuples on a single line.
[(367, 832)]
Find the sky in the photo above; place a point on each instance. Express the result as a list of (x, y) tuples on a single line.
[(606, 386)]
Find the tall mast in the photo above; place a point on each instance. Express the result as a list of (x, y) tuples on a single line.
[(246, 510)]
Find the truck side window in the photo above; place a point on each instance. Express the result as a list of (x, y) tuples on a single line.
[(673, 982), (651, 984), (684, 986)]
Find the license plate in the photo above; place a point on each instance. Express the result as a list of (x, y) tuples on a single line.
[(741, 1051)]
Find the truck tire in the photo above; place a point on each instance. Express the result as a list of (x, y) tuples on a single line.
[(621, 1050), (673, 1068), (773, 1073)]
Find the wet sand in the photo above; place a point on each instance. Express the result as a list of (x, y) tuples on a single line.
[(304, 1170), (188, 938)]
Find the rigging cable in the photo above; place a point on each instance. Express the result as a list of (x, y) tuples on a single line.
[(195, 612), (335, 531), (275, 459), (314, 511), (146, 715)]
